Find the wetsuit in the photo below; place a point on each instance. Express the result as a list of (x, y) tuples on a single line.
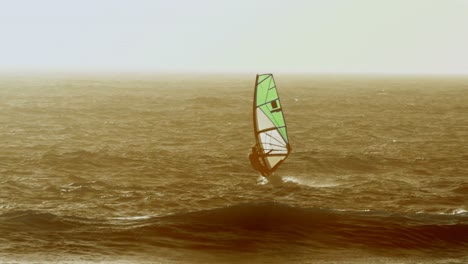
[(254, 158)]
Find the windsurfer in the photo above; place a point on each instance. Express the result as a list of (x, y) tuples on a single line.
[(255, 157)]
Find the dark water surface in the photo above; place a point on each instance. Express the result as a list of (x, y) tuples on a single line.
[(154, 169)]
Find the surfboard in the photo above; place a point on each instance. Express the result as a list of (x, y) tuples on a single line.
[(269, 124)]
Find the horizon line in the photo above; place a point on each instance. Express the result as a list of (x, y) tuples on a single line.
[(215, 72)]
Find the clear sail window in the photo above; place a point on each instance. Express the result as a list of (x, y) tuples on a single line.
[(274, 105)]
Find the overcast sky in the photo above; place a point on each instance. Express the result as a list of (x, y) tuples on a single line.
[(344, 36)]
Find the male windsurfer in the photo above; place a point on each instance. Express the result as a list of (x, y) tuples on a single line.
[(255, 157)]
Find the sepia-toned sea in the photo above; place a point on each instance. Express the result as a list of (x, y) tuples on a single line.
[(154, 169)]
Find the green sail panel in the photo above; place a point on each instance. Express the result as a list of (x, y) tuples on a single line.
[(267, 100), (269, 122)]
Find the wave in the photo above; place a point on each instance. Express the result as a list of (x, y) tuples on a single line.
[(365, 162), (79, 158), (333, 227), (35, 220), (337, 163), (462, 189), (253, 226)]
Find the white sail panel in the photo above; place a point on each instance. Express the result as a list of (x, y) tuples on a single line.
[(273, 160), (263, 122), (273, 143)]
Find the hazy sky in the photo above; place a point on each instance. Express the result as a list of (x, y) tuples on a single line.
[(379, 36)]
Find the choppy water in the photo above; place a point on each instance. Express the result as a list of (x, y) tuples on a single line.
[(155, 169)]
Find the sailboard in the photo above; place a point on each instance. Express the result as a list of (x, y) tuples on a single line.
[(270, 129)]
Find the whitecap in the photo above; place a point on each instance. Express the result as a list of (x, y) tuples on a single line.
[(459, 211), (310, 183), (132, 218)]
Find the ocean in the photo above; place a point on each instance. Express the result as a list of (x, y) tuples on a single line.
[(154, 169)]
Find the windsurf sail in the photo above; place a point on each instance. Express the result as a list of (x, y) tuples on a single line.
[(270, 129)]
